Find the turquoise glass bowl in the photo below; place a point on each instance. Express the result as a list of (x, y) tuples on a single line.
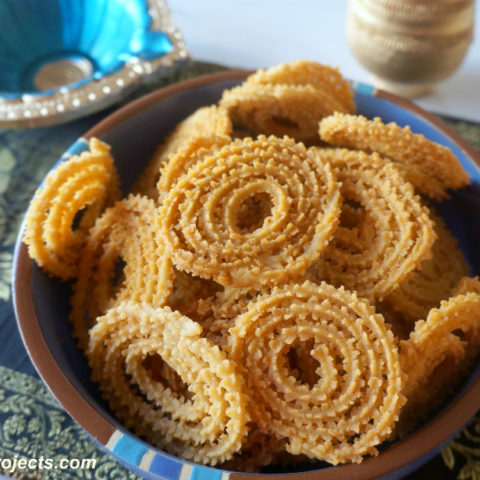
[(61, 59)]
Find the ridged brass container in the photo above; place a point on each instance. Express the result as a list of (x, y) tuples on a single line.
[(409, 45)]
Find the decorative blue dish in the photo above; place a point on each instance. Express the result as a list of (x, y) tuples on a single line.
[(42, 302), (62, 59)]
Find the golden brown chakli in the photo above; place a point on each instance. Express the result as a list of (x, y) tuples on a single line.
[(259, 301), (205, 216)]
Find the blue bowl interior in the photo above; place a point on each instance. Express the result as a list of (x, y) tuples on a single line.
[(77, 39), (135, 139)]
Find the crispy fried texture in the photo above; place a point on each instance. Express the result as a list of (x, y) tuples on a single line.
[(357, 395), (217, 313), (400, 327), (261, 308), (289, 99), (187, 155), (203, 215), (83, 184), (384, 233), (210, 426), (124, 233), (432, 168), (205, 121), (191, 294), (467, 285), (258, 450), (438, 353), (304, 72), (434, 280)]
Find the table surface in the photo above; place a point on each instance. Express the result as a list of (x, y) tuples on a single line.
[(32, 423), (260, 33)]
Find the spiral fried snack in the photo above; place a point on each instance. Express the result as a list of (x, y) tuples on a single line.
[(289, 99), (434, 280), (210, 217), (304, 72), (384, 231), (210, 426), (191, 153), (357, 396), (205, 121), (126, 234), (439, 351), (432, 168), (82, 185)]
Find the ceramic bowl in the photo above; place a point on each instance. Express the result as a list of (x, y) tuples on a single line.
[(41, 302), (62, 59)]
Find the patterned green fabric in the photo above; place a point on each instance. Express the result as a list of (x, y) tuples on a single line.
[(470, 131), (463, 454), (32, 423)]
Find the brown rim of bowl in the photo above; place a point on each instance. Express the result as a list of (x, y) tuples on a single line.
[(399, 455)]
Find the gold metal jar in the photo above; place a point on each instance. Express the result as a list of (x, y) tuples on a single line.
[(410, 45)]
